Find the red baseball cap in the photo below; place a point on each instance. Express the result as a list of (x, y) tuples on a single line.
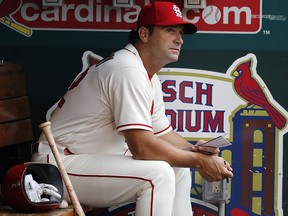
[(164, 14)]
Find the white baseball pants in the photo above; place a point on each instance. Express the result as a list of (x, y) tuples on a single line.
[(108, 180)]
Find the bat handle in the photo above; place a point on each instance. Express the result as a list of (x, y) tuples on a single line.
[(46, 128), (16, 26)]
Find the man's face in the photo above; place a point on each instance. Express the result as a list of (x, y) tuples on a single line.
[(165, 43)]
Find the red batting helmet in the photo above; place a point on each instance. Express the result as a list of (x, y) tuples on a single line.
[(13, 188)]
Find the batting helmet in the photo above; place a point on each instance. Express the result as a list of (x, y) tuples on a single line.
[(13, 188)]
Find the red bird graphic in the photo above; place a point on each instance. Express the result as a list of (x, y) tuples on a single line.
[(249, 89)]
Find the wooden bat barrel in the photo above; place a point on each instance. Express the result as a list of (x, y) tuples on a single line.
[(15, 123)]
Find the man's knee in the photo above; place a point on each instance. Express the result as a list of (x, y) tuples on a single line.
[(183, 176), (165, 173)]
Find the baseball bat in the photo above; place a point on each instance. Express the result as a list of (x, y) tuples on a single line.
[(16, 26), (46, 128)]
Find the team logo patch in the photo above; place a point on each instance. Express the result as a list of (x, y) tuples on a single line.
[(177, 11)]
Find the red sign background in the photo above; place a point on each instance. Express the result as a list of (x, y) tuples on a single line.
[(225, 16)]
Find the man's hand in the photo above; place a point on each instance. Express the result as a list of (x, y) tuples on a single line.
[(203, 149), (214, 168)]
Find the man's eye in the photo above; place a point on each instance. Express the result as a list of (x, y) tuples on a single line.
[(174, 31), (170, 30)]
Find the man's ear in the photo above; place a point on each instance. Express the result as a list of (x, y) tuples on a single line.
[(143, 34)]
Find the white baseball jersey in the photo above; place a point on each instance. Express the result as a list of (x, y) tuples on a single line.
[(114, 95)]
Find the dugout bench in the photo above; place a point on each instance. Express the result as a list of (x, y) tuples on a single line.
[(16, 130)]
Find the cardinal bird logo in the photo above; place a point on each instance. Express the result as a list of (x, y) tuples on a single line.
[(250, 90)]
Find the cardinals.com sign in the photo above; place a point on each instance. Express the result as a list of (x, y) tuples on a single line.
[(225, 16), (238, 105)]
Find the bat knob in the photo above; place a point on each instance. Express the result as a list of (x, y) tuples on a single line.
[(45, 124)]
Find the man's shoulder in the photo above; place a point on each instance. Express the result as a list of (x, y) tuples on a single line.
[(127, 58)]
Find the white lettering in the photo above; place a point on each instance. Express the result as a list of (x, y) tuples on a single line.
[(195, 19), (131, 16), (100, 12), (237, 14), (24, 12), (147, 2), (177, 11), (50, 15), (84, 9), (65, 10), (107, 11)]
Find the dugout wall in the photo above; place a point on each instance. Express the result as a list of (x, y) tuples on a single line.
[(50, 47)]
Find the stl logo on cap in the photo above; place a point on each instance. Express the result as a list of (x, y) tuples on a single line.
[(161, 13), (177, 11)]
